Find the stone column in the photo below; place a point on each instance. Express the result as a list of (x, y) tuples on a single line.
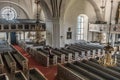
[(24, 35), (19, 35), (56, 34), (49, 32), (9, 38), (113, 39), (53, 33)]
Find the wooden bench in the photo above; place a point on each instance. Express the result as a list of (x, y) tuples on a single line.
[(68, 56), (104, 69), (10, 62), (83, 72), (3, 77), (19, 76), (68, 74), (35, 74), (61, 57), (75, 55), (21, 60), (1, 65), (53, 59), (95, 71), (40, 57)]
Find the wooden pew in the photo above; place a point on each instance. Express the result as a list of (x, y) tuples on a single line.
[(10, 62), (80, 47), (3, 77), (61, 57), (40, 57), (52, 60), (1, 65), (19, 76), (68, 74), (95, 71), (82, 54), (104, 69), (35, 74), (20, 59), (88, 45), (75, 55), (68, 56), (84, 72)]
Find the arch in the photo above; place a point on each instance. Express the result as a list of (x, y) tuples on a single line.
[(45, 9), (92, 2), (25, 11), (84, 15), (97, 10)]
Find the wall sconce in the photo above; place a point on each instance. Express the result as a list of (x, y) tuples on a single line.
[(61, 37)]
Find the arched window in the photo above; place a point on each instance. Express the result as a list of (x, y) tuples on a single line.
[(8, 13), (80, 28)]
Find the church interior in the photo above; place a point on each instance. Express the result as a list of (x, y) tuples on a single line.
[(59, 40)]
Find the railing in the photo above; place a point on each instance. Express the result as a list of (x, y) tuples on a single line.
[(115, 28), (21, 27)]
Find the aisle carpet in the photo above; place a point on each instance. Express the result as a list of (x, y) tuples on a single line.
[(49, 73)]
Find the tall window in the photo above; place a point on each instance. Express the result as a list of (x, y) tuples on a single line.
[(80, 28), (8, 13)]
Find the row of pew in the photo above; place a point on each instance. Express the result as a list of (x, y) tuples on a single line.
[(88, 70), (34, 74), (17, 66), (73, 52)]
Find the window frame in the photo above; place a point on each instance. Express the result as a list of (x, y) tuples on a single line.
[(80, 28)]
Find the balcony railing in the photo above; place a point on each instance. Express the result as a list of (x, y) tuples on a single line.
[(115, 28)]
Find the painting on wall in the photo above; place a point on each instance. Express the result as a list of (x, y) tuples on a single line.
[(69, 35)]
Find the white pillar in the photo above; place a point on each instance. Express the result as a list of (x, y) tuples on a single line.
[(49, 32), (53, 33), (19, 35), (24, 35), (56, 34), (5, 36), (113, 39), (9, 38)]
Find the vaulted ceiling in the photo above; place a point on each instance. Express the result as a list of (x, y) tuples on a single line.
[(48, 8)]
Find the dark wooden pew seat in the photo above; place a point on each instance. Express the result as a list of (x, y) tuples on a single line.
[(19, 76), (34, 74)]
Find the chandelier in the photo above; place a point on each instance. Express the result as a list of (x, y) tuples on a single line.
[(108, 59), (37, 26)]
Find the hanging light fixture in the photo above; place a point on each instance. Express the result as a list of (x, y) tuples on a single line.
[(37, 15), (108, 60), (109, 47), (37, 26), (100, 34)]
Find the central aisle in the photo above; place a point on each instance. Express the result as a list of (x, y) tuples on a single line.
[(49, 72)]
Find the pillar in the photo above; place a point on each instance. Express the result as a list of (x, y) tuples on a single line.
[(113, 39), (24, 35), (49, 32), (19, 35), (53, 33), (56, 34), (9, 38)]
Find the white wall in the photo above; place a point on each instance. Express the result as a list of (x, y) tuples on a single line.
[(75, 8), (3, 35)]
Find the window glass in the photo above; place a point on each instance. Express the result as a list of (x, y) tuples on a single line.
[(8, 13), (80, 28)]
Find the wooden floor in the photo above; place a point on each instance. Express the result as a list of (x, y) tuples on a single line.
[(49, 72)]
